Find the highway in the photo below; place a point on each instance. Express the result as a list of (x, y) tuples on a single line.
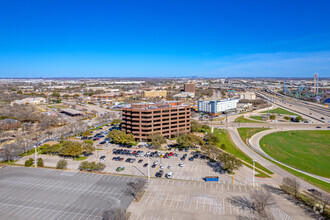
[(311, 111)]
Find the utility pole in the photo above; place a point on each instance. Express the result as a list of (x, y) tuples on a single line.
[(253, 183)]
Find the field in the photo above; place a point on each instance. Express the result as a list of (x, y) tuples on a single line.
[(246, 133), (232, 149), (246, 120), (305, 150), (257, 117), (280, 111)]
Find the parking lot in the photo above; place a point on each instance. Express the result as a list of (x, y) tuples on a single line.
[(30, 193), (178, 199)]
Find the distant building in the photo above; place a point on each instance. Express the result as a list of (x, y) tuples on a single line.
[(155, 93), (166, 118), (184, 95), (8, 123), (217, 106), (189, 87), (248, 96), (71, 112), (37, 100)]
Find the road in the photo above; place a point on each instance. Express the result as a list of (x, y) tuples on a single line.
[(279, 173), (254, 143), (307, 110)]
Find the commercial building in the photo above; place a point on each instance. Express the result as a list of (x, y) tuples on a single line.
[(217, 106), (71, 112), (155, 93), (248, 96), (35, 101), (166, 118), (8, 123), (189, 87)]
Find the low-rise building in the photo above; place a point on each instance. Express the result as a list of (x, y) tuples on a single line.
[(248, 95), (8, 123), (217, 106), (37, 100), (155, 93)]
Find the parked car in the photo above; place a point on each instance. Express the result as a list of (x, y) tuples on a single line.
[(181, 164), (169, 175), (145, 165), (140, 161), (169, 167), (119, 169)]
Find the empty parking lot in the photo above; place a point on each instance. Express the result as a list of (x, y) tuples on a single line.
[(31, 193), (167, 199)]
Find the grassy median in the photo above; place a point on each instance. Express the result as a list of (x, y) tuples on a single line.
[(231, 148), (280, 111)]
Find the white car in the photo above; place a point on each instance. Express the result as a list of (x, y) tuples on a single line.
[(156, 162), (161, 166), (181, 164), (169, 175), (169, 167)]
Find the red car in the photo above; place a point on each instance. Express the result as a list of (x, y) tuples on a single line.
[(134, 152)]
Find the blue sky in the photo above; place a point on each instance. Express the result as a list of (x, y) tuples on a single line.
[(164, 38)]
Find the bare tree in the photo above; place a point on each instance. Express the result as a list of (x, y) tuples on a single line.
[(292, 184), (115, 214), (10, 152), (256, 203), (136, 187)]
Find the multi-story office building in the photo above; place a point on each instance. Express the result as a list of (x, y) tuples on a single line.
[(217, 106), (155, 93), (166, 118), (189, 87)]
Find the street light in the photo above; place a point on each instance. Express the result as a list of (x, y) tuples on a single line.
[(253, 183)]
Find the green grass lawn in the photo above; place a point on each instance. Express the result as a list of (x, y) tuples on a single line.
[(232, 149), (280, 111), (246, 133), (305, 150), (80, 158), (257, 117), (246, 120)]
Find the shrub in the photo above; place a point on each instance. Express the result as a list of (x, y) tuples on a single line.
[(91, 166), (40, 162), (61, 164), (29, 162)]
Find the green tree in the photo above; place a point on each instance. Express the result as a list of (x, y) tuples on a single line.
[(54, 149), (116, 121), (286, 118), (211, 151), (86, 133), (61, 164), (71, 149), (120, 137), (88, 148), (29, 162), (272, 117), (189, 140), (40, 162), (156, 139), (298, 119), (66, 96), (91, 166), (229, 162), (212, 139), (56, 94)]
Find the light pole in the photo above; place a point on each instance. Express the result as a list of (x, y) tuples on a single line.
[(148, 169), (253, 173), (35, 155)]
